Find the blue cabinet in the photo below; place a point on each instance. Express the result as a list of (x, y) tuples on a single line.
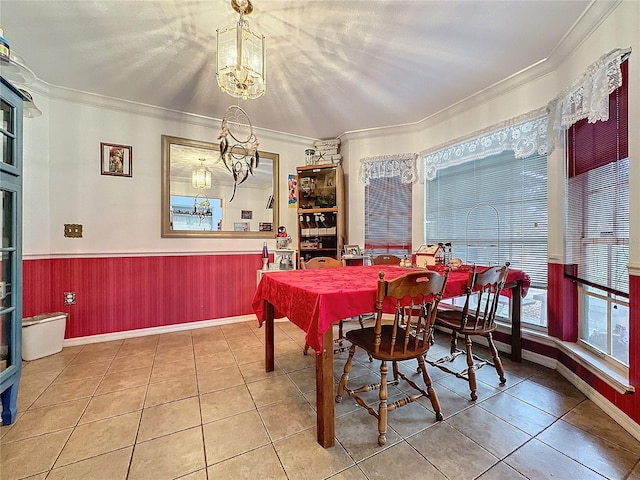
[(11, 247)]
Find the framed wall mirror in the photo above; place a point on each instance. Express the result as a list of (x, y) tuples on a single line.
[(198, 204)]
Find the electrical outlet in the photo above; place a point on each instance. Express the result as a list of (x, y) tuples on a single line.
[(69, 298), (73, 230)]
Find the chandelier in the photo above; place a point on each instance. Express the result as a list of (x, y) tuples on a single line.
[(201, 176), (241, 67), (242, 157)]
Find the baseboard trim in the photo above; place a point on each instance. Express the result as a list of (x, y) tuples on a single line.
[(616, 414), (141, 332)]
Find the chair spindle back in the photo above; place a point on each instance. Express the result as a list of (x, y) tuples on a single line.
[(415, 297), (483, 287)]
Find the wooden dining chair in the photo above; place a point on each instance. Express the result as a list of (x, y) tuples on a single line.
[(321, 262), (326, 262), (386, 259), (414, 297), (477, 317)]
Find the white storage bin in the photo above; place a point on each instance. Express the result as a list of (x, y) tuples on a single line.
[(43, 335)]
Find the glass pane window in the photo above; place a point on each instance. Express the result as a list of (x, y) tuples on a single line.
[(597, 225), (604, 323), (5, 343), (6, 117), (387, 224), (493, 210), (6, 223), (6, 285)]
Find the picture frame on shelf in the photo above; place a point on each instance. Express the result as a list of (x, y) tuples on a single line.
[(116, 160), (352, 250)]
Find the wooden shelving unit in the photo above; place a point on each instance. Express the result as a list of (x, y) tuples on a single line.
[(321, 214)]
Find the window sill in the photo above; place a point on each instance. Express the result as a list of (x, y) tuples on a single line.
[(599, 367), (613, 377)]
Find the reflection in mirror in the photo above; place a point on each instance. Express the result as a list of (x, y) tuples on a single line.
[(188, 211)]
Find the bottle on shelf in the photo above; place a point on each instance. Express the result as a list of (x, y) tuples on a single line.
[(265, 256)]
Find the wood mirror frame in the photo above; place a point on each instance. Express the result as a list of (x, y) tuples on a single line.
[(255, 202)]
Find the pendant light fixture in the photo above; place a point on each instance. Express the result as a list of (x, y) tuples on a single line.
[(201, 176), (241, 66)]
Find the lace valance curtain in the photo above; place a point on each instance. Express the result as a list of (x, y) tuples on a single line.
[(400, 165), (588, 97), (525, 135)]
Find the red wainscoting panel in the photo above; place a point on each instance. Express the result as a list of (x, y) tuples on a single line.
[(562, 305), (126, 293)]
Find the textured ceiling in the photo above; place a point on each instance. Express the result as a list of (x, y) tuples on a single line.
[(332, 66)]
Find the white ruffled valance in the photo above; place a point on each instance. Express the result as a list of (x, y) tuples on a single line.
[(526, 135), (588, 97), (400, 165)]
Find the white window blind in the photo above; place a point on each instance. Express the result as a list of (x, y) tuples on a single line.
[(387, 227), (492, 210)]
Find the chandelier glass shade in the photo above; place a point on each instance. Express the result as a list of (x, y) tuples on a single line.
[(241, 67), (201, 177)]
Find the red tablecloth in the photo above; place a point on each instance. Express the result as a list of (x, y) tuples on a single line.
[(314, 299)]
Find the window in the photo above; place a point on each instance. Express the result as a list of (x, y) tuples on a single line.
[(387, 224), (492, 210), (597, 231)]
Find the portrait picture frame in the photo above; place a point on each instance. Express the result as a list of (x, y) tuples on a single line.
[(352, 250), (246, 214), (116, 160)]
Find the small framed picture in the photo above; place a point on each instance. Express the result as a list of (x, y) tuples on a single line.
[(352, 249), (241, 227), (116, 160), (266, 226), (246, 214)]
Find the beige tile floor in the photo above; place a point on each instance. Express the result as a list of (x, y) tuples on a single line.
[(198, 405)]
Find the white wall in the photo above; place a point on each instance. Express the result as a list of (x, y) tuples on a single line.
[(119, 215), (36, 234)]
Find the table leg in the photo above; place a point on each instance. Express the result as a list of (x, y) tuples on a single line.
[(516, 312), (324, 392), (269, 357)]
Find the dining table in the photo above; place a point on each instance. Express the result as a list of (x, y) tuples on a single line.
[(316, 299)]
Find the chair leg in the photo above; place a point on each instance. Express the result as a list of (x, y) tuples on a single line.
[(496, 360), (435, 403), (382, 409), (471, 369), (340, 333), (454, 342), (345, 374), (361, 320)]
